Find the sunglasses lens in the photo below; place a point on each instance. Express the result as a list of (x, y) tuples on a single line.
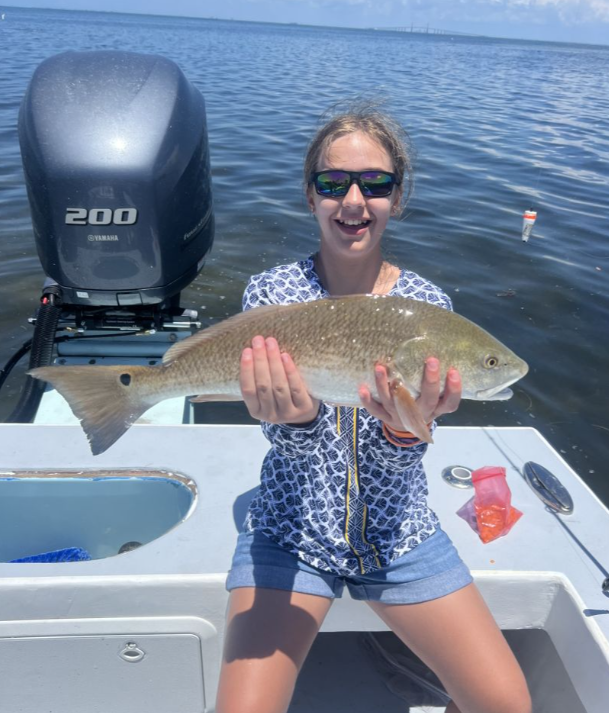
[(373, 184), (332, 183), (376, 184)]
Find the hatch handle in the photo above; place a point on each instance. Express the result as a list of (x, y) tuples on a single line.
[(132, 653)]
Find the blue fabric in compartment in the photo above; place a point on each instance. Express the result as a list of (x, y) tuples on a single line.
[(68, 554)]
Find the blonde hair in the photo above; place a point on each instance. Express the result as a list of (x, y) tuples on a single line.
[(381, 128)]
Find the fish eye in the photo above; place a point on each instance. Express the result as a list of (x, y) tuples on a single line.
[(490, 362)]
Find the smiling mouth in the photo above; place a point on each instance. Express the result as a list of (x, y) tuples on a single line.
[(354, 223)]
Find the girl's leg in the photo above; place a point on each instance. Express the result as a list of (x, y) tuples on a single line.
[(457, 637), (269, 633)]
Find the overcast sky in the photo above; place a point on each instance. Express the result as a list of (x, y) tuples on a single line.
[(559, 20)]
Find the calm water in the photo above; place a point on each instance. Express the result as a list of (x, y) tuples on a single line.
[(499, 126)]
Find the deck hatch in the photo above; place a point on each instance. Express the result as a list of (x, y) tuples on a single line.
[(73, 674)]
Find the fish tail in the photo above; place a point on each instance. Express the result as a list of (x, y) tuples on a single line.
[(106, 399)]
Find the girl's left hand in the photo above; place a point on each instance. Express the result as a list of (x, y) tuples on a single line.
[(430, 403)]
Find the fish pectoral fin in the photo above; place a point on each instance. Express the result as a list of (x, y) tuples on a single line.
[(409, 412), (207, 398)]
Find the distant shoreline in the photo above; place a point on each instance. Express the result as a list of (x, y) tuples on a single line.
[(446, 34)]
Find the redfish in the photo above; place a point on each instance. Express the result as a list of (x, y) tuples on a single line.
[(334, 342)]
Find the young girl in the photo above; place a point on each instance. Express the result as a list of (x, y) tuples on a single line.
[(343, 493)]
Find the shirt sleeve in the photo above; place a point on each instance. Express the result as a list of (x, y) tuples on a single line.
[(389, 456), (292, 441), (257, 293), (297, 441), (445, 301)]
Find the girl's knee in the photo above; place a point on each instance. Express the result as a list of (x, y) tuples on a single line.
[(518, 698), (510, 702), (252, 700), (524, 704), (515, 699)]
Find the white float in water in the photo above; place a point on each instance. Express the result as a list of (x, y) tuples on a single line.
[(529, 218)]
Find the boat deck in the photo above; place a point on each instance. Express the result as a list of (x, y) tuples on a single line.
[(544, 576)]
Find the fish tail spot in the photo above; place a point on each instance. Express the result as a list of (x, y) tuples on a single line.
[(97, 397)]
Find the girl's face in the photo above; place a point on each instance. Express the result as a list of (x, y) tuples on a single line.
[(353, 225)]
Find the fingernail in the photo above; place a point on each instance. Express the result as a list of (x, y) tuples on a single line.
[(271, 343), (247, 354), (258, 342), (453, 375), (432, 364)]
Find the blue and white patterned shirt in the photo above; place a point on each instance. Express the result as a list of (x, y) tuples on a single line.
[(335, 492)]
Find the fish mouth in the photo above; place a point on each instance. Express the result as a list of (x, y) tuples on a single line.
[(496, 394)]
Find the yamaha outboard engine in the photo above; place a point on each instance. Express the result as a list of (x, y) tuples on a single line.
[(116, 159)]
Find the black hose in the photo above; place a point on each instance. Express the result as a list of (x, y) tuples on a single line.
[(26, 346), (42, 347), (15, 359)]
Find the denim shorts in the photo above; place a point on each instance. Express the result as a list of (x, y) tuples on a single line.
[(428, 571)]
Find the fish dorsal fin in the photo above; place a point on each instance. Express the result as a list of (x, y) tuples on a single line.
[(223, 327), (359, 297)]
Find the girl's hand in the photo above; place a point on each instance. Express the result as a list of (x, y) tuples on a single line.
[(429, 402), (272, 387)]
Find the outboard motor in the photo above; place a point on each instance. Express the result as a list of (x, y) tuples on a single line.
[(116, 160)]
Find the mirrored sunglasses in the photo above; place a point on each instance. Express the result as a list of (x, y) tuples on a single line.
[(372, 184)]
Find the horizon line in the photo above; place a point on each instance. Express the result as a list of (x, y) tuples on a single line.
[(441, 33)]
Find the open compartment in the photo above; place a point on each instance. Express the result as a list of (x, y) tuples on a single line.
[(99, 512)]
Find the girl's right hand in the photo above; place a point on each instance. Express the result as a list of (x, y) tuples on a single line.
[(272, 387)]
